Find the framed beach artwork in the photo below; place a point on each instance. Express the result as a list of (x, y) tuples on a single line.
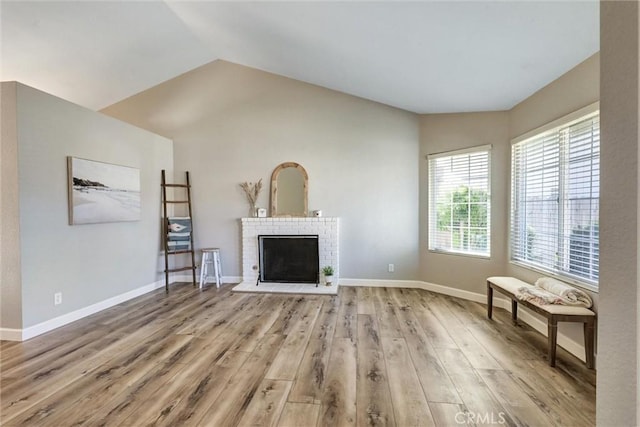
[(102, 192)]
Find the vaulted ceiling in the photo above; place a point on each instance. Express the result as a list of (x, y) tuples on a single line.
[(426, 57)]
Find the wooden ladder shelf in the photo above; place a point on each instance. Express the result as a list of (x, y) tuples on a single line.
[(171, 228)]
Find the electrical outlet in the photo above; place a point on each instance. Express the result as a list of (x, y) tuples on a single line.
[(57, 298), (392, 268)]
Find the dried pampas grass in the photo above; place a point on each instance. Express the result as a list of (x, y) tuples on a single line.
[(252, 191)]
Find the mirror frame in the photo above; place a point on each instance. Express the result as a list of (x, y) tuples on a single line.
[(274, 190)]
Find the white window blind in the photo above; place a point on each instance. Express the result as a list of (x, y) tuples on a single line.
[(459, 202), (555, 178)]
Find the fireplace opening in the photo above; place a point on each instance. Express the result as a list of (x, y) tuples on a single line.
[(289, 259)]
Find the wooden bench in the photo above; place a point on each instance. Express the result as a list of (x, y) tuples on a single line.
[(554, 313)]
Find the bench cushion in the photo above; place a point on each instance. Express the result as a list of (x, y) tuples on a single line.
[(510, 284), (565, 309)]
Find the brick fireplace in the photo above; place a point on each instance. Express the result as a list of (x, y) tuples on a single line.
[(325, 228)]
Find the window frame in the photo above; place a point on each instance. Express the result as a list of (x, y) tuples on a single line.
[(432, 203), (562, 122)]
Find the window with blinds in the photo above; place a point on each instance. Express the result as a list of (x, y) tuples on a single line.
[(555, 179), (459, 202)]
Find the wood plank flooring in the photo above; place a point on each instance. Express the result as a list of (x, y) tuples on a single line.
[(368, 356)]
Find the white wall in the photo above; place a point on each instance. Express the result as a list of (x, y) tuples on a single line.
[(87, 263), (447, 132), (232, 124), (10, 280), (617, 383), (575, 89)]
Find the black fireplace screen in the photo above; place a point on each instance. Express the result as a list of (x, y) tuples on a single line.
[(292, 259)]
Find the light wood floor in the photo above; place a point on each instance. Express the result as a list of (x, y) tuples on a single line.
[(369, 356)]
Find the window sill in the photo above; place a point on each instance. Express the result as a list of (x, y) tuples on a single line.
[(463, 254)]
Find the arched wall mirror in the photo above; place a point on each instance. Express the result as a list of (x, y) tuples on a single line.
[(289, 190)]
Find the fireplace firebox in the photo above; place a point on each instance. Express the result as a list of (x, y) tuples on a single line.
[(288, 259)]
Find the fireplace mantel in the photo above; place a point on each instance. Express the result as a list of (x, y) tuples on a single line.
[(325, 228)]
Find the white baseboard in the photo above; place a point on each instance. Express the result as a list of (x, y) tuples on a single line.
[(48, 325), (377, 283), (525, 315)]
